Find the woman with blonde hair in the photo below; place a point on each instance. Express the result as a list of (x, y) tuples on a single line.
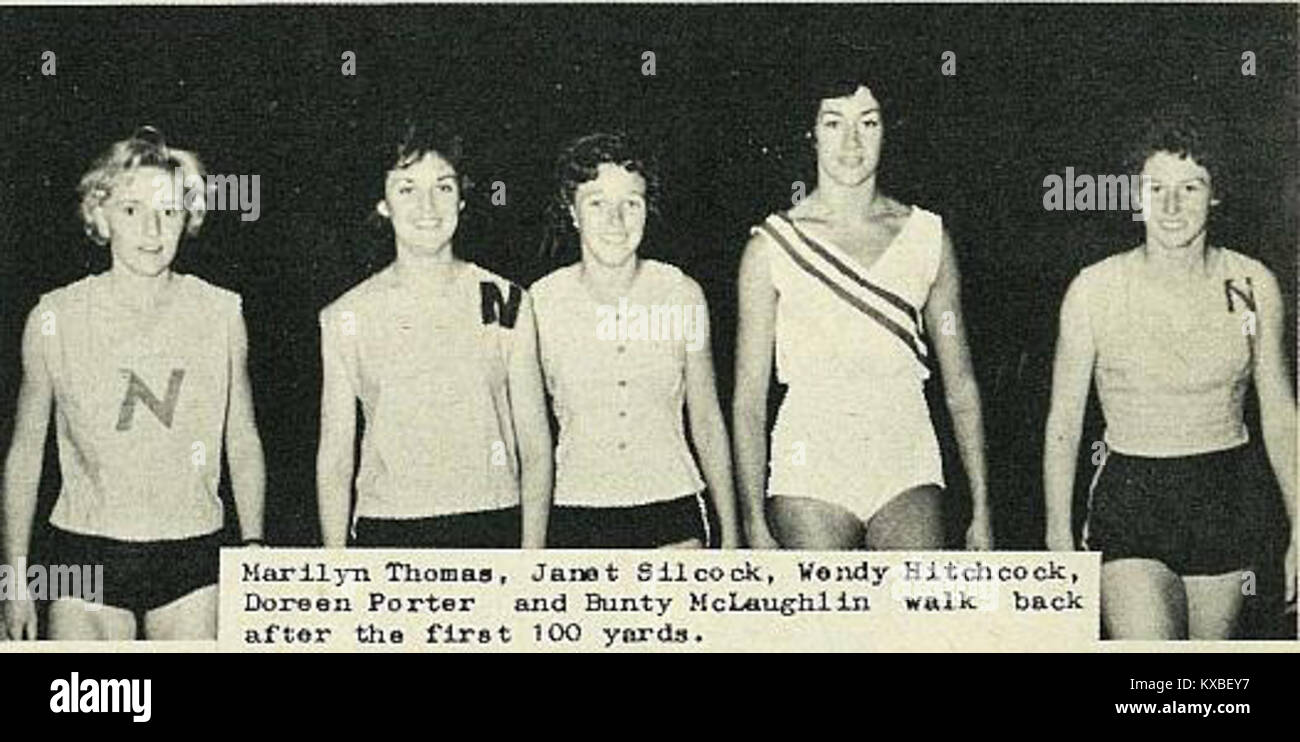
[(146, 371)]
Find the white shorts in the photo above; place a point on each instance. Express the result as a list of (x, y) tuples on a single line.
[(859, 460)]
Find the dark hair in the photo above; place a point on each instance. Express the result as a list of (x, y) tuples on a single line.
[(416, 139), (835, 76), (405, 141), (1178, 130), (579, 162), (841, 86)]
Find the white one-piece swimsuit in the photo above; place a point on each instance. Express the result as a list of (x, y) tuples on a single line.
[(854, 428)]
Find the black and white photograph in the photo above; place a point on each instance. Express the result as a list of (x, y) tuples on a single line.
[(708, 280)]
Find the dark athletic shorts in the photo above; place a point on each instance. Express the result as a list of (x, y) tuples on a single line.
[(490, 529), (636, 527), (139, 576), (1199, 515)]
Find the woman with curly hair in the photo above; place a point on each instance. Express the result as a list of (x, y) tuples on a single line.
[(625, 348), (1173, 332), (840, 290)]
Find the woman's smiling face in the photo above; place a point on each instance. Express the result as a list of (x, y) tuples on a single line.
[(610, 214), (423, 202), (1179, 195), (848, 134)]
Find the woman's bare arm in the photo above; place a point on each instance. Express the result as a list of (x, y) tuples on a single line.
[(532, 430), (755, 340), (22, 473), (708, 429), (1277, 407), (943, 311), (1071, 380), (243, 444), (338, 430)]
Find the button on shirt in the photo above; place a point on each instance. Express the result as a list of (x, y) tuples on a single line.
[(617, 374)]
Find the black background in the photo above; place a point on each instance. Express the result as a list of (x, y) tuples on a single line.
[(301, 694), (260, 91)]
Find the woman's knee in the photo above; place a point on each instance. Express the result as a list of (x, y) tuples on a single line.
[(192, 617), (76, 620), (1214, 604), (809, 524), (1142, 599), (911, 520)]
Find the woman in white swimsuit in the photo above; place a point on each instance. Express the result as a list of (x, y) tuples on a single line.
[(841, 287)]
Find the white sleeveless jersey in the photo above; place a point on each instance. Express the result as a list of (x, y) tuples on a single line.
[(1172, 370), (140, 407), (431, 374)]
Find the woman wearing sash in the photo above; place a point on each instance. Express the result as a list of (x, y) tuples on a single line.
[(842, 287)]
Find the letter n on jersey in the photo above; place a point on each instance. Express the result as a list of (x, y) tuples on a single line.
[(499, 310), (138, 390), (1247, 296)]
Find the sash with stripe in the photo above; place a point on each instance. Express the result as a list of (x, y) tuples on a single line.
[(887, 309)]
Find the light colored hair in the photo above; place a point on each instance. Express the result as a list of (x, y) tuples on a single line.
[(145, 148)]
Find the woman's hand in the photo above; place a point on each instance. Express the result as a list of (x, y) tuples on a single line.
[(759, 535), (1289, 571), (979, 536), (1060, 539), (19, 619)]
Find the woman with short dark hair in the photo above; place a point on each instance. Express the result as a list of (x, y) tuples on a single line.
[(442, 355), (1173, 332), (841, 289), (625, 348)]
